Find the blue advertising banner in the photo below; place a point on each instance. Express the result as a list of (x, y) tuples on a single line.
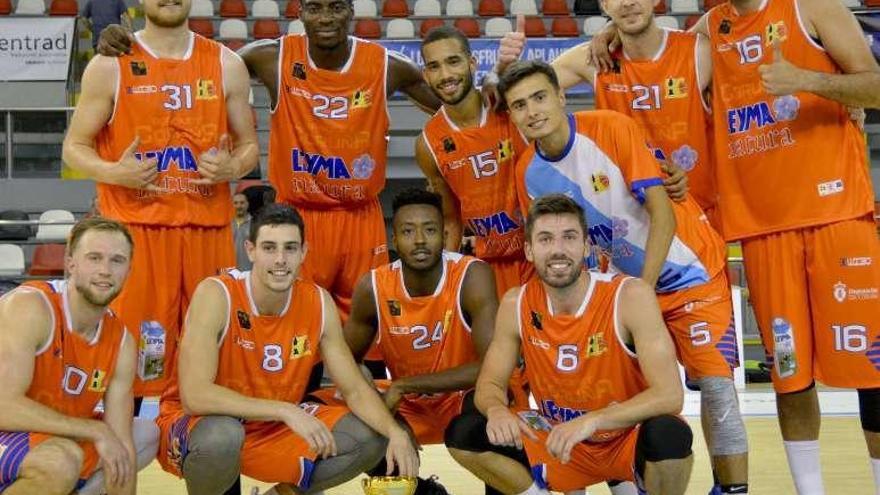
[(486, 53), (871, 25)]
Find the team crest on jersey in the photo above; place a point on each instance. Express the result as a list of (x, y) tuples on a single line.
[(536, 320), (362, 167), (776, 32), (676, 87), (600, 182), (362, 98), (205, 90), (394, 307), (138, 68), (299, 347), (243, 320), (96, 382), (596, 346), (505, 150), (448, 145), (299, 71)]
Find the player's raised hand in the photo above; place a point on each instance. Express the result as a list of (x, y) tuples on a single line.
[(313, 431), (676, 182), (564, 436), (505, 428), (512, 44), (603, 44), (401, 454), (115, 461), (115, 41), (781, 77), (216, 165), (132, 172)]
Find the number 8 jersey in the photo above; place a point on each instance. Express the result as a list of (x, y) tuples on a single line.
[(423, 334), (328, 135)]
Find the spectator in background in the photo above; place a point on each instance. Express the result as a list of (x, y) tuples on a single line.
[(102, 13), (241, 226)]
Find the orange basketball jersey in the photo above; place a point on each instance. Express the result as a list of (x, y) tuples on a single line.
[(266, 357), (71, 373), (784, 162), (178, 109), (663, 95), (426, 334), (478, 164), (577, 363), (328, 136)]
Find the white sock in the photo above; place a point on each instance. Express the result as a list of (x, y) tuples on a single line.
[(806, 470), (625, 488), (534, 490), (875, 466)]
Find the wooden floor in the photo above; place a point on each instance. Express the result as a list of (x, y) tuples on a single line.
[(844, 461)]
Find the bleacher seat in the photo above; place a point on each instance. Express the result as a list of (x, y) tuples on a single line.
[(30, 7), (55, 232), (233, 8), (691, 21), (565, 27), (292, 10), (872, 3), (395, 8), (265, 9), (365, 9), (524, 7), (491, 8), (201, 8), (667, 21), (48, 260), (295, 27), (852, 4), (11, 260), (555, 7), (368, 28), (470, 27), (234, 45), (427, 8), (64, 8), (5, 7), (684, 6), (660, 8), (15, 232), (594, 24), (459, 8), (266, 29), (204, 27), (429, 24), (400, 29), (535, 27), (587, 7), (233, 29), (497, 27)]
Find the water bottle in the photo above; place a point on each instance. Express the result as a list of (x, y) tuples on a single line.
[(783, 348), (151, 351)]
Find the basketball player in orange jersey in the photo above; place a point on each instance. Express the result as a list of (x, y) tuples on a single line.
[(467, 152), (433, 312), (163, 130), (249, 344), (606, 411), (659, 78), (62, 351)]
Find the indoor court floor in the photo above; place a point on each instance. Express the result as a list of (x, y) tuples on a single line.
[(845, 465)]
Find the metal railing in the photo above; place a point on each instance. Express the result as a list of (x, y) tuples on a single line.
[(9, 120)]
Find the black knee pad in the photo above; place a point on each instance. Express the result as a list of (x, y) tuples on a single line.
[(467, 432), (869, 409), (662, 438)]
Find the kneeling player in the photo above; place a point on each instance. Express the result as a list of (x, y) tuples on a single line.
[(62, 351), (250, 341), (601, 366)]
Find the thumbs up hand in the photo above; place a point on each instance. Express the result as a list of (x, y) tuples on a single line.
[(133, 172), (781, 77), (216, 165), (512, 45)]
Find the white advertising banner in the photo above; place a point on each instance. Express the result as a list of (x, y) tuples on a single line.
[(35, 48)]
